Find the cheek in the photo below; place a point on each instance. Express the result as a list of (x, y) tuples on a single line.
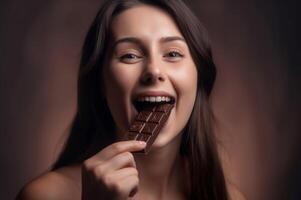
[(120, 78), (188, 89), (185, 79), (119, 82), (185, 82)]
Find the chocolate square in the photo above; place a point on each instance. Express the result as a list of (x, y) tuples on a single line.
[(137, 126), (156, 117), (144, 116), (143, 137), (149, 128), (132, 136)]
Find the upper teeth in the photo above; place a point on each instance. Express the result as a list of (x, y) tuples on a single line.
[(154, 99)]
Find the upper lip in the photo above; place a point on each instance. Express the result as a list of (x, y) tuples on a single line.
[(153, 93)]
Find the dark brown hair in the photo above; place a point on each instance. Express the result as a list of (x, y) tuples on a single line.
[(93, 125)]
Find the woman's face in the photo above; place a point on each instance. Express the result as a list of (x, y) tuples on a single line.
[(150, 58)]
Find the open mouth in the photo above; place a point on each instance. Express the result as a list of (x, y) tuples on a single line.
[(147, 102)]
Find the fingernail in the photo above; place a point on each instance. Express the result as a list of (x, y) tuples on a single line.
[(142, 143)]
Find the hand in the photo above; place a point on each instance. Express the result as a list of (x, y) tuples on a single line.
[(112, 172)]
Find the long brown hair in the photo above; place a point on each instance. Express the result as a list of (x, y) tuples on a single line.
[(93, 121)]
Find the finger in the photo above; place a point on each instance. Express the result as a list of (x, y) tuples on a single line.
[(125, 159), (123, 184), (130, 184), (108, 175), (123, 173), (117, 148)]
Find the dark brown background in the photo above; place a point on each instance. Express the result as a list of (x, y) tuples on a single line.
[(256, 97)]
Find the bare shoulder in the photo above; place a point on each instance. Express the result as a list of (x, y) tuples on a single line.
[(63, 183)]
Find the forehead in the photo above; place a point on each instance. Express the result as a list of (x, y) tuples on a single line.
[(146, 22)]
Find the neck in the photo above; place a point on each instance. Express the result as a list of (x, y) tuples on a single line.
[(159, 171)]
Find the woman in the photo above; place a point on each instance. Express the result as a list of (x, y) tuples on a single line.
[(140, 49)]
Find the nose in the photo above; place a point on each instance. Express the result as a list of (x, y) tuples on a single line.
[(152, 74)]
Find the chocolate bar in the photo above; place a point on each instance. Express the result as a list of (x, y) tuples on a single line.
[(148, 123)]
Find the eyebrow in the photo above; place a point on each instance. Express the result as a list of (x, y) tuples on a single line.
[(139, 42)]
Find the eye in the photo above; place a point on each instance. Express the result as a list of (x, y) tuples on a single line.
[(174, 54), (129, 57)]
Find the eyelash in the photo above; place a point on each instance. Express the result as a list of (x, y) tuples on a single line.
[(125, 55), (173, 51), (177, 52)]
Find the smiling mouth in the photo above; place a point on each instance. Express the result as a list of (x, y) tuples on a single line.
[(144, 103)]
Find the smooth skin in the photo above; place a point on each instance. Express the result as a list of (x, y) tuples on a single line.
[(148, 64)]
